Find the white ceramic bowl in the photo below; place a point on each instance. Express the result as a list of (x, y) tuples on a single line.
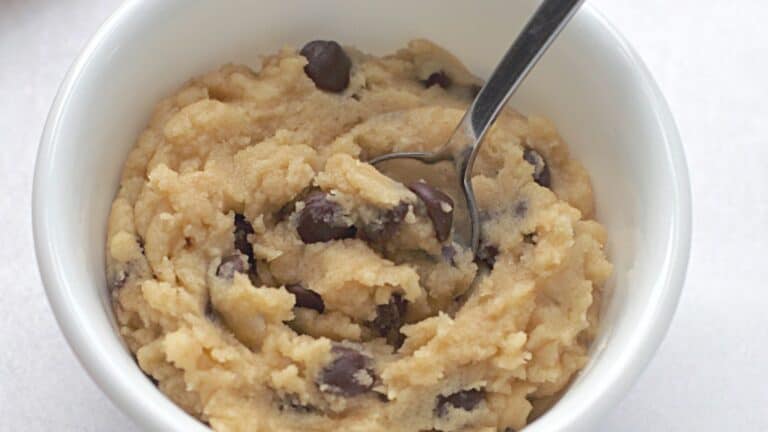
[(591, 83)]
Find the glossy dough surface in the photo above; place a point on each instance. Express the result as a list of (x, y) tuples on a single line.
[(268, 279)]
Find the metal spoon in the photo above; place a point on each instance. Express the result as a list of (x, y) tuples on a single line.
[(462, 147)]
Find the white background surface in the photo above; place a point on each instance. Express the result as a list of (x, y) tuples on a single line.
[(711, 374)]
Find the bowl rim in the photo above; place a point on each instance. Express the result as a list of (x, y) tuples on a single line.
[(656, 317)]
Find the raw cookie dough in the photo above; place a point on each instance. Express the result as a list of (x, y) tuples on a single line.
[(268, 279)]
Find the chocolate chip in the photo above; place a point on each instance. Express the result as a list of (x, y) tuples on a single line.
[(306, 298), (464, 399), (449, 254), (440, 78), (328, 65), (386, 225), (487, 254), (389, 318), (349, 374), (540, 169), (530, 238), (439, 207), (230, 265), (321, 220), (243, 228)]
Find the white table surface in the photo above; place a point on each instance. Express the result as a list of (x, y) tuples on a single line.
[(711, 373)]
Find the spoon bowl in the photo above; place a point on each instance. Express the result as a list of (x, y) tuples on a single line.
[(462, 147)]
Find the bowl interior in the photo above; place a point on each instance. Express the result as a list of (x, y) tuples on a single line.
[(588, 83)]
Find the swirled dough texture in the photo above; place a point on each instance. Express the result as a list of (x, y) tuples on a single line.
[(268, 279)]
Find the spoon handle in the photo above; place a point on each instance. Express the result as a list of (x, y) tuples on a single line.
[(542, 28)]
